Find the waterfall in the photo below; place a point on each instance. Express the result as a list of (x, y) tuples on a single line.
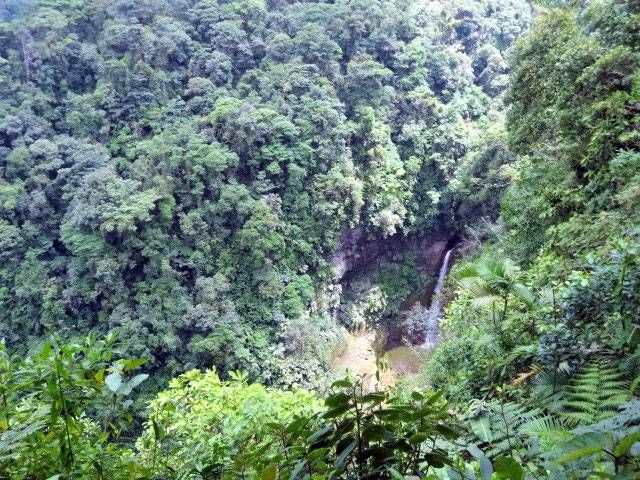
[(433, 318)]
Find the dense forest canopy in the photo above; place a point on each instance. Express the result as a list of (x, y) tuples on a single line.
[(181, 170), (176, 177)]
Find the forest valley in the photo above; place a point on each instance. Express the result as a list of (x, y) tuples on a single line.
[(211, 210)]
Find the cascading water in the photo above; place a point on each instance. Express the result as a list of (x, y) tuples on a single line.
[(432, 323)]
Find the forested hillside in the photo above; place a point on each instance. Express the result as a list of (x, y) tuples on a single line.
[(177, 178), (181, 170)]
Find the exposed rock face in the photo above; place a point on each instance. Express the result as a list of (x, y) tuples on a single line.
[(357, 252), (359, 255)]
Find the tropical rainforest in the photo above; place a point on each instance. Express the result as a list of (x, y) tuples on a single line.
[(213, 212)]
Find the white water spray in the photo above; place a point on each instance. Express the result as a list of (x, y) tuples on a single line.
[(432, 324)]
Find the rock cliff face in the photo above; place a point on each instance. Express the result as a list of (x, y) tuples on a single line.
[(357, 252), (358, 257)]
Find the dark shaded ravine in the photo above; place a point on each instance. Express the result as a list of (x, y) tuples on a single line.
[(357, 253), (359, 256), (408, 359), (357, 260)]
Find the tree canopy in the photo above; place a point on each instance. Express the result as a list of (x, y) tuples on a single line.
[(152, 150)]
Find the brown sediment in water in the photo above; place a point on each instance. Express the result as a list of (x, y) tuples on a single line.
[(405, 360), (357, 354), (357, 357)]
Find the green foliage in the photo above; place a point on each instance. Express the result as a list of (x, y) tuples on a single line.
[(594, 393), (145, 146), (506, 426), (468, 366), (215, 428), (374, 434), (491, 282), (398, 280), (64, 408), (183, 172), (607, 448), (573, 91)]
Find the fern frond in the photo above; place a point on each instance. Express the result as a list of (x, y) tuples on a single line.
[(584, 417), (505, 421), (631, 364), (548, 388), (485, 301), (524, 352), (627, 417), (594, 393), (549, 430), (542, 425), (17, 436)]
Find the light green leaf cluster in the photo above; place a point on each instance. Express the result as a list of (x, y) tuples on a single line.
[(204, 416)]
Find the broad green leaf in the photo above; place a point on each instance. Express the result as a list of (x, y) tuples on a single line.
[(317, 454), (133, 363), (337, 399), (579, 453), (322, 433), (373, 433), (298, 469), (626, 443), (486, 469), (138, 379), (336, 412), (157, 431), (437, 459), (634, 386), (127, 387), (342, 384), (113, 381), (376, 397), (447, 432), (481, 427), (435, 397), (418, 438), (507, 468), (395, 474), (270, 472), (341, 460), (294, 427)]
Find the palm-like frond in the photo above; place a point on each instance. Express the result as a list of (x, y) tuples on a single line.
[(492, 280), (501, 426), (524, 353), (485, 301), (476, 286), (546, 296), (524, 294), (543, 424), (548, 388), (631, 364), (498, 267)]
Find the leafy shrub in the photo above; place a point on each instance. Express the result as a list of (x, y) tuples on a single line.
[(63, 409), (205, 426)]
